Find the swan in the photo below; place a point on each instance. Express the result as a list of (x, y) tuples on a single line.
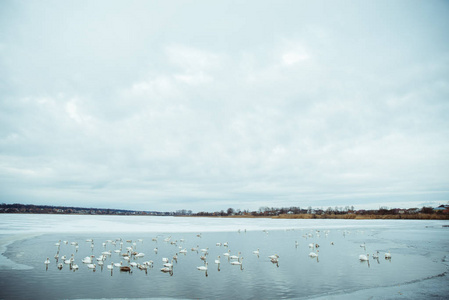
[(58, 243), (184, 251), (203, 268), (100, 258), (204, 250), (218, 244), (60, 266), (100, 263), (118, 264), (311, 245), (217, 261), (364, 257), (238, 262), (164, 260), (169, 265), (234, 256), (111, 266), (313, 254), (166, 269), (125, 269), (75, 267), (91, 266), (155, 250), (47, 261), (256, 252), (63, 257), (87, 260), (388, 255), (376, 255), (149, 263), (140, 255), (133, 264), (227, 253), (275, 256)]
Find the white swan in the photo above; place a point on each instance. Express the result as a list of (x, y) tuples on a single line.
[(388, 255), (133, 264), (111, 266), (169, 265), (234, 256), (75, 267), (376, 255), (313, 254), (238, 262), (164, 260), (87, 260), (91, 266), (256, 252), (47, 261), (140, 255), (203, 268), (275, 256), (118, 264), (364, 257), (217, 261), (184, 251)]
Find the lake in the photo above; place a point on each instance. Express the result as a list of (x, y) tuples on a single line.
[(417, 269)]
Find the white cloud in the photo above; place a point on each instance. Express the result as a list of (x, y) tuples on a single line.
[(210, 119)]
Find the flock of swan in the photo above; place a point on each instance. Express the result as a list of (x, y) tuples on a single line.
[(125, 251)]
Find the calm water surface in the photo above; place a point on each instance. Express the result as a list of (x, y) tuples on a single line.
[(418, 255)]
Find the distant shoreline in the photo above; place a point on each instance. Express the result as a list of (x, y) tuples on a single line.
[(419, 216)]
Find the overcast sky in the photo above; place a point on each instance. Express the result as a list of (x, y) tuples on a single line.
[(205, 105)]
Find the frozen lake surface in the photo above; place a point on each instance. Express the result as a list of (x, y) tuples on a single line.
[(417, 269)]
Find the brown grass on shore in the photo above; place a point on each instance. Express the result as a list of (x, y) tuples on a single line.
[(419, 216)]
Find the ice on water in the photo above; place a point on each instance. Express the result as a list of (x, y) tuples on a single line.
[(418, 246)]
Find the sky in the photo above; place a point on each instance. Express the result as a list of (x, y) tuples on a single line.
[(206, 105)]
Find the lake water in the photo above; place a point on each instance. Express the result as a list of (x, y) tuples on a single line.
[(418, 267)]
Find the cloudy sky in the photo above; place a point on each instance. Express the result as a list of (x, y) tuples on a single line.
[(205, 105)]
